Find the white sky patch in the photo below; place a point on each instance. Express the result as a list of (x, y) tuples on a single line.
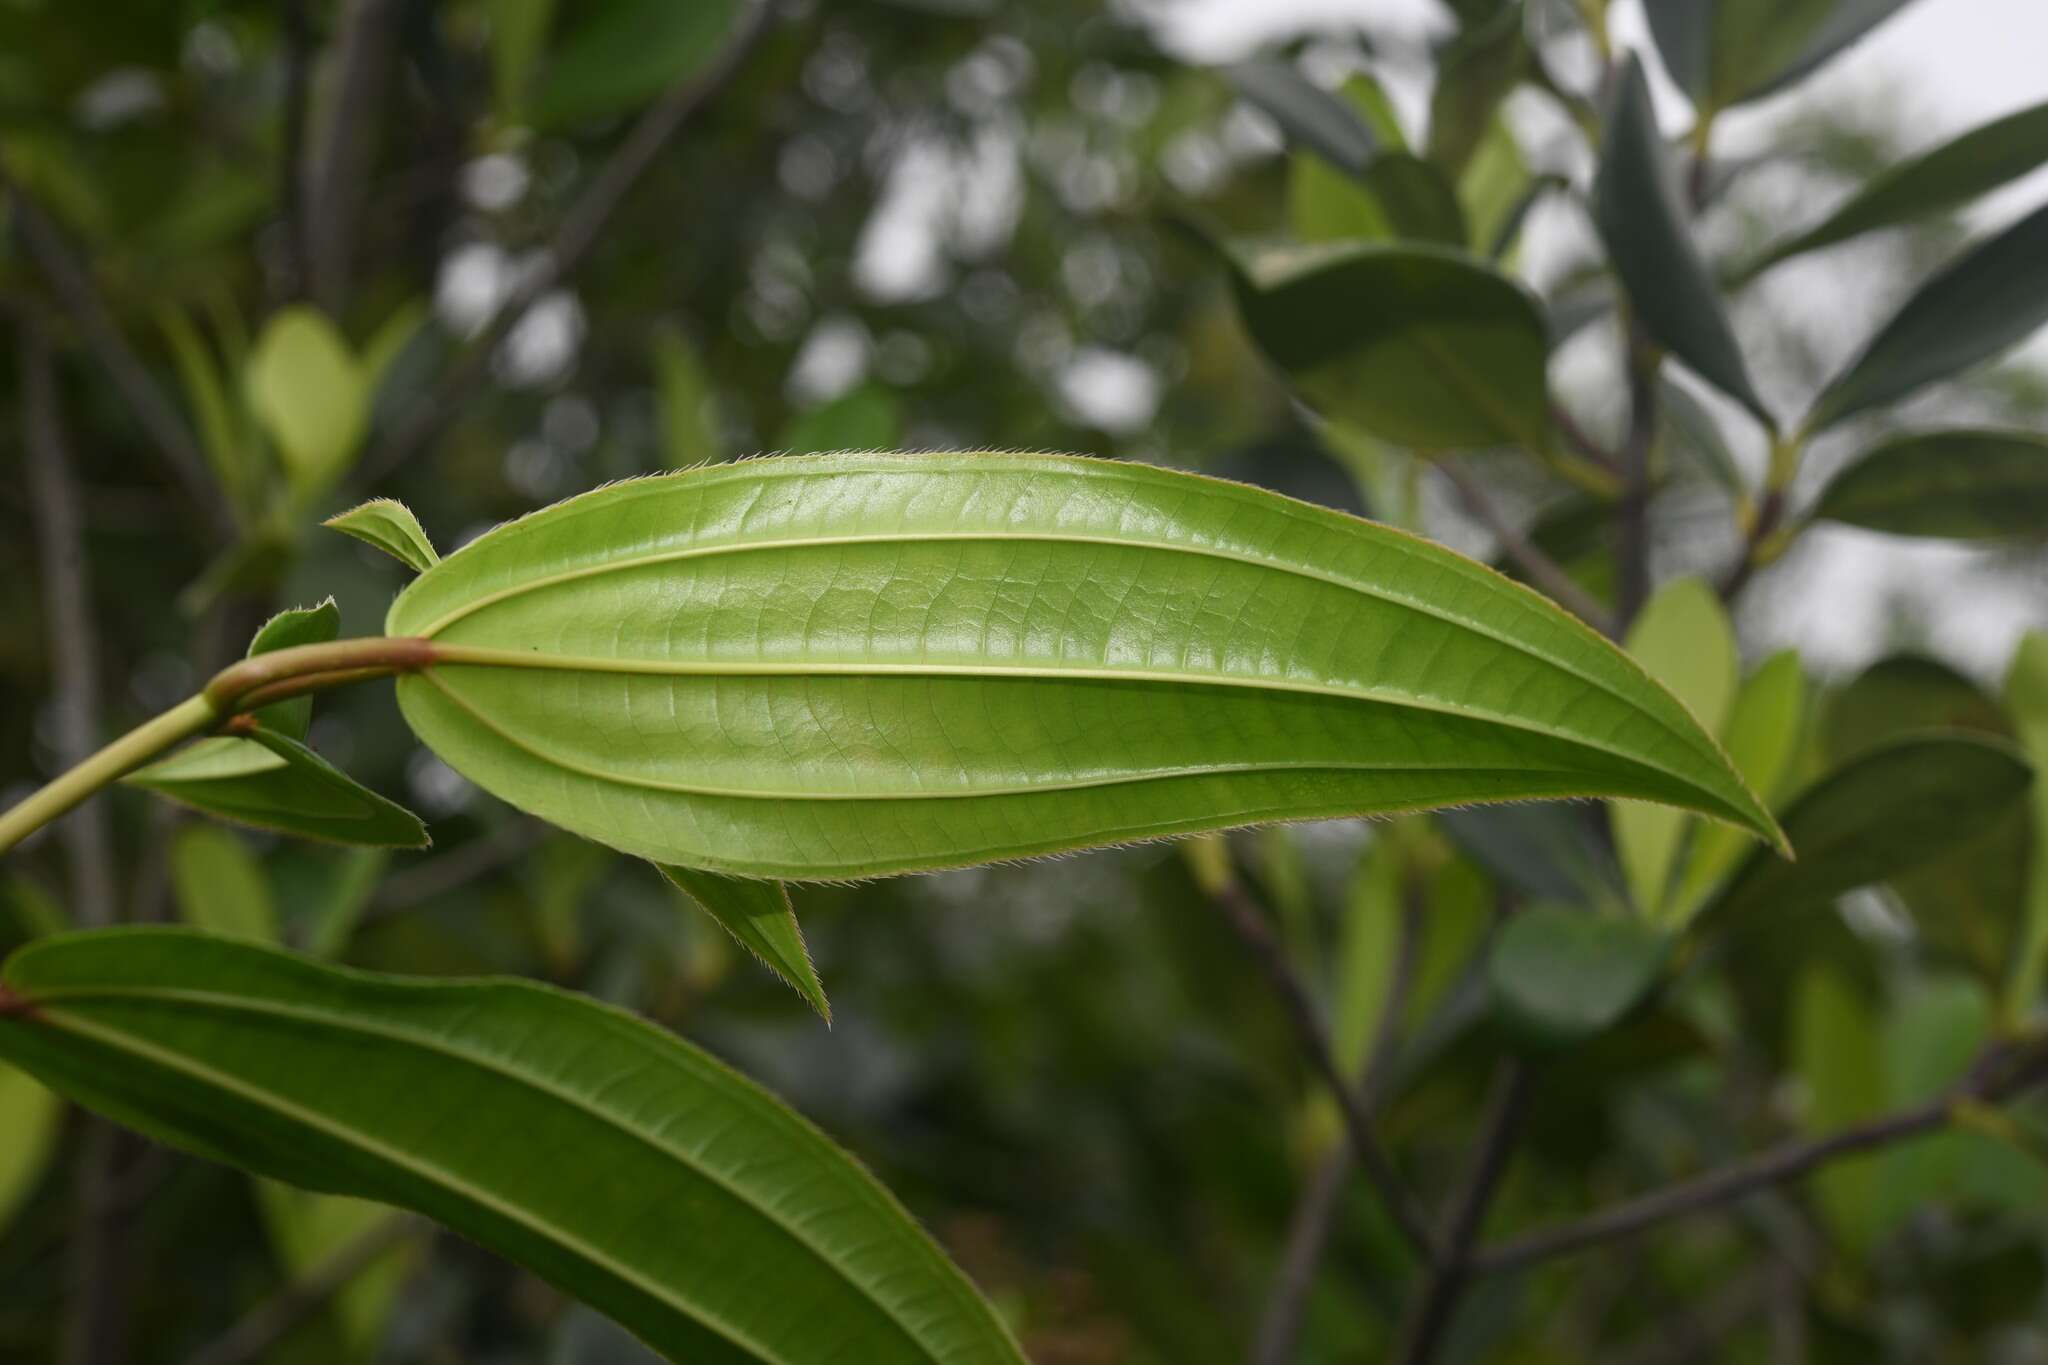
[(1109, 389), (833, 358)]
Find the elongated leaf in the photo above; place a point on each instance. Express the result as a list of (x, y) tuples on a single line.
[(310, 392), (1684, 638), (314, 625), (1993, 296), (1960, 484), (1307, 113), (220, 886), (29, 1119), (1722, 52), (1560, 975), (618, 1162), (389, 525), (218, 421), (622, 53), (760, 918), (1954, 173), (1887, 812), (853, 665), (274, 782), (1762, 736), (1642, 219), (1416, 344)]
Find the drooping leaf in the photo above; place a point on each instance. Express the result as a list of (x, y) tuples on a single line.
[(1642, 220), (760, 918), (1685, 640), (1881, 814), (220, 425), (1307, 114), (866, 418), (29, 1119), (620, 54), (855, 665), (389, 525), (1420, 345), (274, 782), (646, 1178), (296, 626), (1762, 737), (2026, 702), (1836, 1055), (309, 391), (1961, 484), (1722, 52), (1994, 295), (219, 885), (1560, 975), (1943, 177), (689, 425)]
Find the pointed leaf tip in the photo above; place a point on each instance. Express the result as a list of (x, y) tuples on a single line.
[(389, 525), (758, 914)]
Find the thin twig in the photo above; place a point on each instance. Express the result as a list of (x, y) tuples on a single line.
[(73, 286), (1315, 1214), (1988, 1082), (578, 233), (1770, 511), (272, 1321), (1578, 439), (1432, 1316), (457, 867), (1545, 572), (1257, 935), (1632, 513), (291, 162)]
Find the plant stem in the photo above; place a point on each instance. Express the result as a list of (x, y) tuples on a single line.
[(239, 687)]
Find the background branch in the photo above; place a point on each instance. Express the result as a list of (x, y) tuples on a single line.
[(270, 1322), (1545, 572)]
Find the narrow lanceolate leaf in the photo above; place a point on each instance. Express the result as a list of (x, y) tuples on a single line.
[(1960, 484), (286, 630), (759, 916), (1879, 815), (1415, 344), (390, 526), (1642, 219), (854, 665), (1994, 296), (1949, 175), (274, 782), (619, 1163)]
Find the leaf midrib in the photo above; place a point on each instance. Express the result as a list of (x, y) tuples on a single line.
[(436, 1173)]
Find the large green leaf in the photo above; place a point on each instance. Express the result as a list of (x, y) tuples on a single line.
[(274, 782), (1642, 219), (854, 665), (1722, 52), (1943, 177), (1961, 484), (613, 1159), (620, 54), (760, 918), (1883, 813), (1993, 296), (1420, 345)]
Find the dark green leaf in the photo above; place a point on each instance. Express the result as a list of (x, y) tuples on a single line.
[(1954, 173), (1722, 52), (1307, 114), (1884, 813), (1559, 975), (1692, 428), (287, 630), (1419, 345), (609, 1157), (1642, 219), (1961, 484), (390, 526), (622, 53), (1419, 201), (760, 918), (1547, 852), (2026, 702), (1992, 297), (274, 782)]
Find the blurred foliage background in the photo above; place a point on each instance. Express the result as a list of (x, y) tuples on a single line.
[(931, 224)]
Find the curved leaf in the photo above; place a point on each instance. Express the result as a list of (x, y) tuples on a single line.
[(1943, 177), (1642, 220), (389, 525), (1993, 296), (1959, 484), (1307, 113), (274, 782), (1722, 52), (1419, 345), (1879, 815), (855, 665), (760, 918), (1560, 975), (646, 1178)]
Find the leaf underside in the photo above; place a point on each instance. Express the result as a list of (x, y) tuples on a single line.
[(854, 665)]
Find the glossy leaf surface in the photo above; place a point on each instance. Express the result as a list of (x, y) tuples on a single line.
[(647, 1178), (1418, 345), (1996, 294), (760, 918), (1959, 484), (274, 782), (1643, 221), (853, 665), (390, 526)]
